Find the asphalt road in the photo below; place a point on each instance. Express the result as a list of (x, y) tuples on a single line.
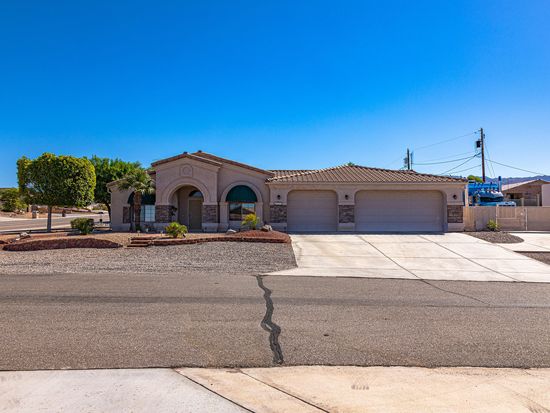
[(196, 319), (24, 224)]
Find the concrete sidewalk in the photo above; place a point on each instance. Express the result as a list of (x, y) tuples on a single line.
[(532, 242), (278, 389), (451, 257)]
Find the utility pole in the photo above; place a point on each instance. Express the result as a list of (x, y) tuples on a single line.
[(408, 160), (482, 146)]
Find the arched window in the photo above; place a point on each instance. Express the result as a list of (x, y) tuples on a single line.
[(195, 194), (242, 201)]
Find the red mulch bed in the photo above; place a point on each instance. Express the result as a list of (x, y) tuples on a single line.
[(61, 243), (274, 237)]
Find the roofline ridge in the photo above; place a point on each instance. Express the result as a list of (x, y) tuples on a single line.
[(231, 161), (306, 172)]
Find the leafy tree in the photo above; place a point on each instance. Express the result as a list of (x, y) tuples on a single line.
[(475, 178), (11, 201), (109, 170), (141, 183), (56, 181)]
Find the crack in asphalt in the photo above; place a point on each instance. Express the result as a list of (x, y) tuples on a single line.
[(455, 293), (268, 325)]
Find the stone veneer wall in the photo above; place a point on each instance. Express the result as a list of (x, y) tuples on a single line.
[(455, 214), (346, 214), (164, 213), (209, 214), (277, 214)]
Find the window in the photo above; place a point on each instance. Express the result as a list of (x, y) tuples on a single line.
[(238, 210), (147, 213), (242, 201)]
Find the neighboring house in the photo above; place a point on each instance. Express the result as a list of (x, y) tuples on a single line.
[(209, 193), (545, 195), (527, 193)]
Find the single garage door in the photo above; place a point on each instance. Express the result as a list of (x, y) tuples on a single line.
[(399, 211), (312, 211)]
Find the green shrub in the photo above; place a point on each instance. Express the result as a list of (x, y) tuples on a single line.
[(11, 201), (492, 225), (175, 230), (250, 221), (83, 225)]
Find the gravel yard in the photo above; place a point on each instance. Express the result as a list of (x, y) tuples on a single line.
[(539, 256), (216, 257), (496, 237)]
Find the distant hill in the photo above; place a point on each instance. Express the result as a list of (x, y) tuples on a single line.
[(513, 180)]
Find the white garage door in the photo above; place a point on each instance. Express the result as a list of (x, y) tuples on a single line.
[(312, 211), (399, 211)]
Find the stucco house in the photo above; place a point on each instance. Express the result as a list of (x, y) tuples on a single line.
[(526, 193), (209, 193)]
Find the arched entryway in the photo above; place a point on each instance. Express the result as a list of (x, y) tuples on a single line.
[(188, 200)]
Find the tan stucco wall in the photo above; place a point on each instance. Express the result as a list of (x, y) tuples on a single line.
[(216, 180), (119, 199), (453, 194)]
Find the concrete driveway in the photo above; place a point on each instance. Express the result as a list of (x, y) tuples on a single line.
[(451, 256), (532, 242)]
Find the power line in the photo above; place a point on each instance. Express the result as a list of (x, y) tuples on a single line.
[(451, 156), (519, 169), (444, 141), (438, 163), (458, 166), (467, 169), (490, 164)]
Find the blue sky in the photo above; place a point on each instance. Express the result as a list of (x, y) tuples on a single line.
[(277, 84)]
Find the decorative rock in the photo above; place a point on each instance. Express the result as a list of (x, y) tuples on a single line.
[(231, 231), (24, 235), (266, 228)]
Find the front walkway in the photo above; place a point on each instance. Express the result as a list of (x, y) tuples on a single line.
[(451, 256), (282, 389)]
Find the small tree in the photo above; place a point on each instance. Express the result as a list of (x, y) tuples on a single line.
[(109, 170), (56, 181), (141, 183), (475, 178), (10, 200)]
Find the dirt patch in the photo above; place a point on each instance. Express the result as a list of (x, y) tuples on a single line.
[(273, 237), (539, 256), (61, 243), (496, 237)]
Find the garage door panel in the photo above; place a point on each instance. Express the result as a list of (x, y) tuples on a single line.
[(399, 211), (312, 211)]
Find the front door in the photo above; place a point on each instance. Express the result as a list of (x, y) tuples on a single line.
[(195, 214)]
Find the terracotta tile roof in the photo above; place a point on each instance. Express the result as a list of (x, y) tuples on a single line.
[(356, 173), (185, 155), (284, 172)]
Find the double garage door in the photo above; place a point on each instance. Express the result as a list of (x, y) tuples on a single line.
[(375, 211)]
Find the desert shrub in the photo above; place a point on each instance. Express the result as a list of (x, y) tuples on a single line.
[(492, 225), (176, 230), (250, 221), (11, 201), (83, 225)]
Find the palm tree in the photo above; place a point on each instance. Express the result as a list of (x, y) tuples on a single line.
[(141, 183)]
